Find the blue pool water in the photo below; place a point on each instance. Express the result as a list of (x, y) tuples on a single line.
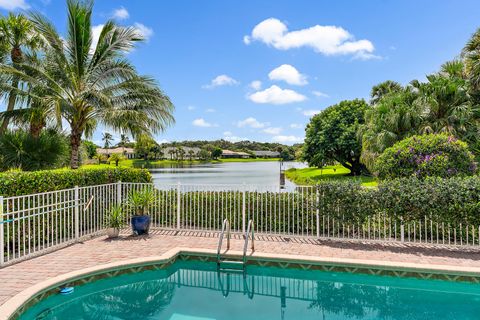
[(190, 290)]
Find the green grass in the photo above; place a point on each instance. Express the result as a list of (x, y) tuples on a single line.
[(138, 163), (311, 176)]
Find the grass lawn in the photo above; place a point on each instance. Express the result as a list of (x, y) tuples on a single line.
[(137, 163), (310, 176)]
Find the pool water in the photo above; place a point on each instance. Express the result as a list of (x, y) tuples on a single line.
[(190, 290)]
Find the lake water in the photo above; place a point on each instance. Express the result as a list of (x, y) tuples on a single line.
[(250, 173)]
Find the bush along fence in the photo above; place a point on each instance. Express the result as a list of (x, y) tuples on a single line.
[(15, 183), (435, 211)]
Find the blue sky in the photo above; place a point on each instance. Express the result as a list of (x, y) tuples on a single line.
[(259, 69)]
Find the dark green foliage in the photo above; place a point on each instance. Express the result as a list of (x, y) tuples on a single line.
[(427, 155), (331, 136), (453, 200), (22, 151), (20, 183), (217, 152), (90, 147)]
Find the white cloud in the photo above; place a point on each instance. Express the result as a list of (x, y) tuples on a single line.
[(327, 40), (272, 130), (227, 133), (191, 108), (296, 126), (221, 80), (14, 4), (200, 122), (252, 123), (210, 110), (96, 31), (287, 139), (256, 85), (121, 14), (320, 94), (276, 95), (288, 74), (310, 113), (143, 30)]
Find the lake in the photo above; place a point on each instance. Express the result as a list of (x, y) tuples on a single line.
[(266, 173)]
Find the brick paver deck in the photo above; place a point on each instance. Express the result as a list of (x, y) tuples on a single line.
[(20, 276)]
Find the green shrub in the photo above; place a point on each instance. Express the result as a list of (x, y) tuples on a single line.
[(21, 182), (432, 155), (22, 151), (450, 200)]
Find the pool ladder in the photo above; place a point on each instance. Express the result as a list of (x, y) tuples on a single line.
[(232, 264)]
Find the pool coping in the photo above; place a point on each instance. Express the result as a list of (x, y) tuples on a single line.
[(10, 308)]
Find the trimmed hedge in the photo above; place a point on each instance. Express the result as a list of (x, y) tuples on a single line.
[(14, 183), (453, 200), (431, 155)]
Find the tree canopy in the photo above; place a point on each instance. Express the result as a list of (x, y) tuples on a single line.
[(88, 85), (331, 136)]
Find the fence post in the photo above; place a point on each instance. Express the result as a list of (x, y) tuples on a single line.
[(402, 230), (2, 239), (244, 208), (318, 212), (119, 193), (77, 213), (178, 206)]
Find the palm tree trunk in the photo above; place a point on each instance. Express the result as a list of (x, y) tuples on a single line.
[(12, 98), (36, 128), (75, 140)]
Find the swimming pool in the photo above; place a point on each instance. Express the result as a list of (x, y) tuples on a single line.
[(193, 289)]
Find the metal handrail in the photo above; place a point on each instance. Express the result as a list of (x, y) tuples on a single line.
[(225, 227), (247, 235)]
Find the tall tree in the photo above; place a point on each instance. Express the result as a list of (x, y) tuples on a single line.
[(107, 139), (17, 36), (445, 103), (91, 85), (471, 56), (331, 136), (391, 119), (124, 140), (382, 89)]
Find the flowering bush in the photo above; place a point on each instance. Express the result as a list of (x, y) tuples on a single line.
[(432, 155)]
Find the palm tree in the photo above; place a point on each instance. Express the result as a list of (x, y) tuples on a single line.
[(17, 37), (107, 138), (445, 103), (21, 150), (382, 89), (171, 152), (116, 157), (391, 119), (471, 55), (123, 140), (180, 153), (94, 85), (191, 153)]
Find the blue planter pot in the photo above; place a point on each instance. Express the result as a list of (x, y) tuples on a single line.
[(140, 224)]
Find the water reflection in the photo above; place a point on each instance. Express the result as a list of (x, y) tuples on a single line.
[(263, 293), (227, 173)]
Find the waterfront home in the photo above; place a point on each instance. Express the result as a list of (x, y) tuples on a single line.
[(235, 154), (266, 154), (128, 153)]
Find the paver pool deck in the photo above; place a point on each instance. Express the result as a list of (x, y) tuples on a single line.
[(97, 251)]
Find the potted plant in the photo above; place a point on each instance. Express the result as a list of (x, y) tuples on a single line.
[(114, 221), (139, 201)]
